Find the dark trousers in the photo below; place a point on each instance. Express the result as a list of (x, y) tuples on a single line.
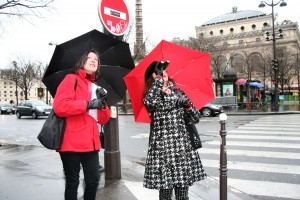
[(180, 193), (90, 165)]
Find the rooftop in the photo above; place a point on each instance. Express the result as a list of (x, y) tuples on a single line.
[(234, 16)]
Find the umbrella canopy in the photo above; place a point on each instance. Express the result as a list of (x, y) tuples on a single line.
[(256, 84), (115, 58), (241, 81), (189, 68)]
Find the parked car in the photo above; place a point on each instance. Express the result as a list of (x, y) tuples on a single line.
[(34, 108), (211, 110), (6, 108)]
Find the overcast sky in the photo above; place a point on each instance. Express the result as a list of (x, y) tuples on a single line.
[(162, 19)]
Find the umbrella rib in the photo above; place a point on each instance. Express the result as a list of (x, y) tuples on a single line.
[(110, 87)]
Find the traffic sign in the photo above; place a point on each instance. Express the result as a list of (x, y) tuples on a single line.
[(114, 16)]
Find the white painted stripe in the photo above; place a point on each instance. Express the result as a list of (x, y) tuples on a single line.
[(114, 13), (263, 132), (288, 122), (274, 125), (269, 128), (257, 144), (263, 137), (260, 167), (265, 188), (251, 132), (140, 192), (272, 154)]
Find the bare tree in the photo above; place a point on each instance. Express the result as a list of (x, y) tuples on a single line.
[(214, 47), (22, 8), (287, 67), (25, 74)]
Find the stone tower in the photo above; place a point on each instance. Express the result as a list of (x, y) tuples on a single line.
[(139, 46)]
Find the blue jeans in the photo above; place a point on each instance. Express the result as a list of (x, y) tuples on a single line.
[(90, 164)]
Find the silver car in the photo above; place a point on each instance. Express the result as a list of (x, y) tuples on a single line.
[(33, 108)]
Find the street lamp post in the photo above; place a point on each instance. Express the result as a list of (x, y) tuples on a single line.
[(16, 82), (275, 61)]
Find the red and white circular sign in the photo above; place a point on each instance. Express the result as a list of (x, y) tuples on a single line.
[(114, 16)]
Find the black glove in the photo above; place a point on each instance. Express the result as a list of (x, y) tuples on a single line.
[(159, 68), (95, 104), (101, 94), (183, 102)]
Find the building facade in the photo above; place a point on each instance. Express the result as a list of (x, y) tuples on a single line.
[(242, 44), (8, 91)]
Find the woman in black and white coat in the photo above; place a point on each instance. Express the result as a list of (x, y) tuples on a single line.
[(172, 162)]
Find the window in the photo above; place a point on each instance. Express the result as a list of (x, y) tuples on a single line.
[(211, 33), (242, 28), (231, 30), (266, 24), (221, 31), (253, 26)]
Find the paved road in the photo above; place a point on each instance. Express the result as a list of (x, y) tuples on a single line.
[(263, 157), (263, 151)]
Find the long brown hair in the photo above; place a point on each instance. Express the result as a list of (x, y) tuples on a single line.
[(80, 63)]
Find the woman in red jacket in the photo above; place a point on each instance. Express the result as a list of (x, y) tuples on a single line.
[(82, 103)]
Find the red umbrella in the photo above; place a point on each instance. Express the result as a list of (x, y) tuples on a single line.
[(241, 81), (189, 68)]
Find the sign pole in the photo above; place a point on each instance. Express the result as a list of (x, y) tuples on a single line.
[(115, 20)]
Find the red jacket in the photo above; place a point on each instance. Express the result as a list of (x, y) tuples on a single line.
[(81, 133)]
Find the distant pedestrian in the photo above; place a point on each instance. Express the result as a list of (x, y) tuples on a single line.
[(82, 103), (172, 163)]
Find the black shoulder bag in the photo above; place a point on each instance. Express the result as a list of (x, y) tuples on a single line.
[(191, 128), (193, 133), (52, 132)]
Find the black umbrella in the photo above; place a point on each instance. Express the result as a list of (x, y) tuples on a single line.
[(115, 58)]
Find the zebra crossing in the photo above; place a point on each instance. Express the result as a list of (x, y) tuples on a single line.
[(263, 157)]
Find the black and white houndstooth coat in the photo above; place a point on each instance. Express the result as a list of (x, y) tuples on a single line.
[(171, 160)]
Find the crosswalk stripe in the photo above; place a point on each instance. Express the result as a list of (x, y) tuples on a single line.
[(270, 128), (261, 167), (140, 192), (253, 132), (250, 153), (263, 132), (288, 122), (276, 132), (274, 125), (262, 137), (257, 144), (266, 188)]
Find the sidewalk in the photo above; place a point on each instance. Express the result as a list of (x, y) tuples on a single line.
[(34, 173)]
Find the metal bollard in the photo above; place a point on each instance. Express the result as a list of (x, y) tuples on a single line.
[(112, 159), (223, 158)]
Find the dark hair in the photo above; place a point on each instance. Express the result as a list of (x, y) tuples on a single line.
[(80, 63), (149, 81), (150, 70)]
